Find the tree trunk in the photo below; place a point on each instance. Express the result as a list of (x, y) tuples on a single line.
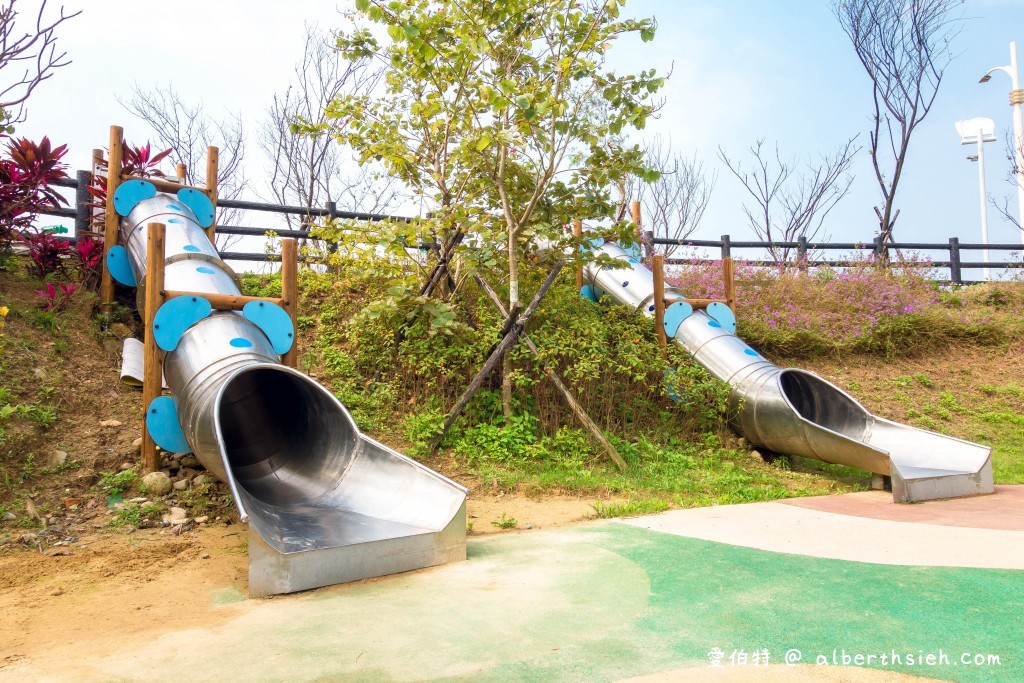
[(513, 304)]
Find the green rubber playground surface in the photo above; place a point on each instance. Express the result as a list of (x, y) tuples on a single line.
[(605, 602)]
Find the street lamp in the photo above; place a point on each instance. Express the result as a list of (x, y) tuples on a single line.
[(1016, 100), (978, 131)]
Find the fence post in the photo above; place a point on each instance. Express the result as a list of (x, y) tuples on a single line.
[(879, 249), (726, 247), (954, 261), (801, 253), (83, 205), (332, 210)]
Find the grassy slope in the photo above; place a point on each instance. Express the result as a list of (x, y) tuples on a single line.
[(65, 377)]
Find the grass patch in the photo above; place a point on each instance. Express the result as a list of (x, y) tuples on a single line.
[(631, 508)]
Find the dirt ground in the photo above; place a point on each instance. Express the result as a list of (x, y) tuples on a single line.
[(110, 586), (82, 584)]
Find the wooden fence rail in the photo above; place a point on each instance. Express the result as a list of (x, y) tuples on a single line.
[(806, 252)]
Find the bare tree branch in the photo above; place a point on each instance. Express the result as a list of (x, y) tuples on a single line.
[(309, 168), (674, 205), (1002, 204), (904, 46), (791, 203), (189, 130), (32, 57)]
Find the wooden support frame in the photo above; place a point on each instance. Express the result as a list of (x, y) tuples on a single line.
[(156, 295), (152, 372), (212, 169), (290, 293), (730, 284), (658, 266), (224, 302), (111, 223), (164, 185)]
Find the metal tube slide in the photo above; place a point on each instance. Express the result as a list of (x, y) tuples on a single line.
[(796, 412), (324, 503)]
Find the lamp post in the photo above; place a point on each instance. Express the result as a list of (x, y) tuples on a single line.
[(1016, 101), (979, 131)]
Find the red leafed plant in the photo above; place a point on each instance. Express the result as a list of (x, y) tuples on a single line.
[(56, 298), (46, 251), (25, 177), (136, 161), (90, 252)]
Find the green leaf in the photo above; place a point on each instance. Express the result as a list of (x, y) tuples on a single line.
[(411, 31), (529, 113), (483, 143), (523, 101), (362, 5), (396, 33), (647, 35), (427, 51)]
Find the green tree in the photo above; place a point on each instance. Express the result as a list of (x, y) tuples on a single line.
[(503, 118)]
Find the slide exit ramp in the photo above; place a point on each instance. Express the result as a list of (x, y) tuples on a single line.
[(324, 503), (794, 411)]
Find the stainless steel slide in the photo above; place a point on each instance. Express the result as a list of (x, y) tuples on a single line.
[(796, 412), (324, 503)]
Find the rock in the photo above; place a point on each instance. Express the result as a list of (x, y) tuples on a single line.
[(204, 556), (202, 480), (111, 423), (137, 444), (181, 485), (121, 330), (139, 500), (742, 442), (755, 454), (126, 466), (56, 458), (202, 520), (111, 346), (176, 516), (187, 472), (40, 374), (157, 483), (10, 517), (190, 461)]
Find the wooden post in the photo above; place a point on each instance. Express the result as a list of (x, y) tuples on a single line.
[(96, 214), (658, 264), (290, 293), (111, 221), (181, 173), (577, 231), (730, 285), (212, 166), (152, 372)]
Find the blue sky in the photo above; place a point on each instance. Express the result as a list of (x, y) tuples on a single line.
[(742, 69)]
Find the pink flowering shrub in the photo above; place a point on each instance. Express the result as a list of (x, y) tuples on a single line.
[(793, 311)]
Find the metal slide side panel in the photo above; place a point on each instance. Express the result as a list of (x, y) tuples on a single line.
[(273, 572)]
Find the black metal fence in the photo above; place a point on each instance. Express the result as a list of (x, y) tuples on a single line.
[(806, 252)]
